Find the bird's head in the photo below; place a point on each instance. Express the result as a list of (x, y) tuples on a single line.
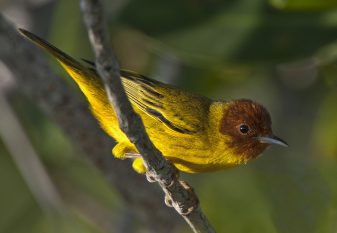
[(248, 126)]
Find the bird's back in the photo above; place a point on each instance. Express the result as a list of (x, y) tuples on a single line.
[(175, 120)]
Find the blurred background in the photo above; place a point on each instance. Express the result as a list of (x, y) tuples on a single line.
[(281, 53)]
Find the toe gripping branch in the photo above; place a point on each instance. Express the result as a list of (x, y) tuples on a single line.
[(178, 194)]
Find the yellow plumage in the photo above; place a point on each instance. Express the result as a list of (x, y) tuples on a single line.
[(175, 120), (183, 126)]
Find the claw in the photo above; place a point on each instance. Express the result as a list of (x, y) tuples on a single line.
[(150, 178), (187, 211), (193, 202), (168, 201)]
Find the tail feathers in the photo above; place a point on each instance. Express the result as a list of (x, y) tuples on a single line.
[(86, 77), (62, 57)]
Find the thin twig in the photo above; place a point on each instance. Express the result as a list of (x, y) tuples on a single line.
[(181, 196), (61, 104)]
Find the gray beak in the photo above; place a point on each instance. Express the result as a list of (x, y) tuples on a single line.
[(272, 140)]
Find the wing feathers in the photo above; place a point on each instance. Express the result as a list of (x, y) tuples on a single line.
[(168, 105)]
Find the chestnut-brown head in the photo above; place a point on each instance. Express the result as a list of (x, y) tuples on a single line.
[(248, 126)]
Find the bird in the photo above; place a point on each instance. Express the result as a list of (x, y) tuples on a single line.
[(193, 132)]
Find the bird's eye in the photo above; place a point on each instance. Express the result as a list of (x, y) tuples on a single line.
[(244, 129)]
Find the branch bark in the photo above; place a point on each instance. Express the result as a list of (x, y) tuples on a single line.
[(180, 195), (60, 103)]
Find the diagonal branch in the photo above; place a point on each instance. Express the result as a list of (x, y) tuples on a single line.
[(60, 103), (181, 196)]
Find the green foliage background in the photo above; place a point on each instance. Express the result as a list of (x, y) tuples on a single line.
[(280, 53)]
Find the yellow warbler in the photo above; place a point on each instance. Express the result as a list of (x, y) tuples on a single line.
[(193, 132)]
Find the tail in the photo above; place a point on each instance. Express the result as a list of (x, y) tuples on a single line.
[(62, 57), (88, 81), (85, 77)]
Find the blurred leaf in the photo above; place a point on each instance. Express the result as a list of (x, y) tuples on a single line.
[(304, 5), (66, 223), (66, 28), (238, 31), (327, 57), (59, 156), (298, 196), (325, 131), (328, 168), (233, 202), (161, 17), (329, 74), (16, 202), (68, 33), (74, 177)]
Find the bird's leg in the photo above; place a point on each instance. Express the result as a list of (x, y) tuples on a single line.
[(123, 150), (131, 155)]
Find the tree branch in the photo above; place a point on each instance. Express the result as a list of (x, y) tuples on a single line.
[(181, 196), (35, 79)]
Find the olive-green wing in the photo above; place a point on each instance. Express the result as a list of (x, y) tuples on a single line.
[(179, 110)]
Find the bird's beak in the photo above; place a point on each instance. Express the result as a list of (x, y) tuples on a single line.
[(272, 140)]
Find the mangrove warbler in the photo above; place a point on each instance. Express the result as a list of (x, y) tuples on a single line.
[(193, 132)]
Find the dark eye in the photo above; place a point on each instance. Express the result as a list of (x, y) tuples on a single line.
[(244, 129)]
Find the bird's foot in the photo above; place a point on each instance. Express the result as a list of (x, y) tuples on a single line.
[(150, 177), (124, 150), (184, 207), (138, 165)]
